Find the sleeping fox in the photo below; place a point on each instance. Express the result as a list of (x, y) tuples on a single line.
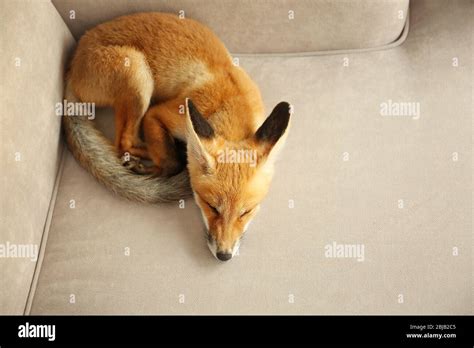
[(173, 80)]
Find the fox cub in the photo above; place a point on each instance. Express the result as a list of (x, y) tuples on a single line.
[(175, 79)]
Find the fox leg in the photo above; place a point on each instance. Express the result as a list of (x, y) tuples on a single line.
[(161, 124), (128, 115), (131, 102), (117, 76)]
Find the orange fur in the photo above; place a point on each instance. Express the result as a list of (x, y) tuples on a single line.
[(127, 62)]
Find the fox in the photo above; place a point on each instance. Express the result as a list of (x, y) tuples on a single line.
[(171, 80)]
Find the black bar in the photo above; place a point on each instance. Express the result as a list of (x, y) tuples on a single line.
[(133, 330)]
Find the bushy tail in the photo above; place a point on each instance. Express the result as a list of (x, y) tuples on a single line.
[(98, 156)]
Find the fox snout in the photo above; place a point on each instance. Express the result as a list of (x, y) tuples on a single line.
[(221, 250), (224, 256)]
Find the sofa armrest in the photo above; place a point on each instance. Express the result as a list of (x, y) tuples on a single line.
[(34, 44)]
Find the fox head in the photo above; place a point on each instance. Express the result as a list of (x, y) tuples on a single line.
[(230, 178)]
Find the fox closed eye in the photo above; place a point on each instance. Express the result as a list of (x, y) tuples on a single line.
[(246, 212), (214, 209)]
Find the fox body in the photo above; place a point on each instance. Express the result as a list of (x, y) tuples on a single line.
[(176, 79)]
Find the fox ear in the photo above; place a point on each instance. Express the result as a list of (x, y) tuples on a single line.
[(272, 133), (198, 129), (202, 128)]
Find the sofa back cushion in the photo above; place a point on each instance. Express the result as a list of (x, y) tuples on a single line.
[(264, 26)]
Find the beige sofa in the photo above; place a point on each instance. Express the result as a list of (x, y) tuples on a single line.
[(379, 158)]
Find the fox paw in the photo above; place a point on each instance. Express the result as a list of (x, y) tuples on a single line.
[(134, 164)]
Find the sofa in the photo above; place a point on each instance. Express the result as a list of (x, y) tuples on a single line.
[(370, 210)]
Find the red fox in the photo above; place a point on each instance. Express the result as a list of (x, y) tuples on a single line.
[(174, 78)]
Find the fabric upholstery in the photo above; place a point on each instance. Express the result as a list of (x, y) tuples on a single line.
[(264, 26), (34, 44), (398, 185)]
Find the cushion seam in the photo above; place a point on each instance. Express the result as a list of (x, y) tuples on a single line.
[(401, 39), (57, 11), (46, 228)]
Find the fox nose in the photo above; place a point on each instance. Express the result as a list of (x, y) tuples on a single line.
[(224, 256)]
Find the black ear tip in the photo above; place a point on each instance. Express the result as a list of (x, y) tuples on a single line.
[(275, 125), (200, 124), (191, 105), (193, 111), (283, 108)]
